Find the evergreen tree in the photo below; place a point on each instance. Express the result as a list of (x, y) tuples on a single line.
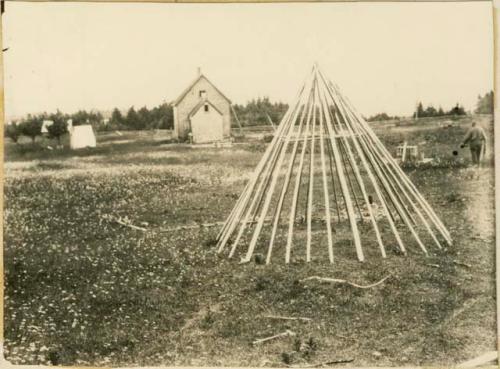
[(132, 119), (116, 118), (485, 104)]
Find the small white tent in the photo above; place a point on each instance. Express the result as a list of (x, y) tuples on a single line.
[(45, 125), (81, 136)]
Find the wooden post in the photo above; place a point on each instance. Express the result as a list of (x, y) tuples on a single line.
[(271, 122), (236, 117)]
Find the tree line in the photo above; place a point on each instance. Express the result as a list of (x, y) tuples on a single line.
[(159, 117), (257, 112), (485, 104), (431, 111)]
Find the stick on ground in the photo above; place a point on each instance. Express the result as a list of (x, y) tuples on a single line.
[(325, 363), (334, 280), (287, 318), (286, 333)]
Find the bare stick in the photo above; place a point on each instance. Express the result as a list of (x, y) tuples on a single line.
[(334, 280), (121, 222), (462, 264), (344, 187), (274, 176), (236, 116), (325, 190), (284, 189), (364, 159), (264, 168), (287, 318), (355, 168), (298, 180), (286, 333), (331, 362), (235, 218), (425, 205), (311, 184)]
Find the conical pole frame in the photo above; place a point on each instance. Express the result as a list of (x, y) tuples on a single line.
[(325, 178)]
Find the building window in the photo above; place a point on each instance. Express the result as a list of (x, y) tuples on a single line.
[(206, 107), (203, 94)]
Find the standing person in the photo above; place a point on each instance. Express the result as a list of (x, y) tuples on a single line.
[(476, 138)]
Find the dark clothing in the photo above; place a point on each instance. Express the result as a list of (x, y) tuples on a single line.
[(475, 153), (476, 138)]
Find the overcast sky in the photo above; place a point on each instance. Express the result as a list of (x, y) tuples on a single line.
[(384, 56)]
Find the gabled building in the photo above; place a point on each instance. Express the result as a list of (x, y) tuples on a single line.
[(203, 111)]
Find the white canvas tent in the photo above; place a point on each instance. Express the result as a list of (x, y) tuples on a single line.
[(45, 125), (81, 136), (327, 182)]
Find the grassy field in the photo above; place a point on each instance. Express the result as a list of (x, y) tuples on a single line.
[(81, 289)]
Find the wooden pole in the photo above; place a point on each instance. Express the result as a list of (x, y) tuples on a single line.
[(271, 122), (357, 173), (236, 116), (325, 190), (385, 184), (254, 179), (343, 185), (286, 183), (423, 203), (403, 156), (421, 200), (332, 172), (311, 182), (298, 180), (274, 176), (269, 173), (364, 160)]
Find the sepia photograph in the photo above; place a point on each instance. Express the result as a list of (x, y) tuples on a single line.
[(298, 185)]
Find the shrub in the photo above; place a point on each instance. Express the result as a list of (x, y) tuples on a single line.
[(32, 127), (12, 131), (267, 138)]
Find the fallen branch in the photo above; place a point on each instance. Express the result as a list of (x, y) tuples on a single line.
[(287, 318), (119, 221), (334, 280), (331, 362), (123, 223), (462, 264), (192, 226), (286, 333), (433, 265)]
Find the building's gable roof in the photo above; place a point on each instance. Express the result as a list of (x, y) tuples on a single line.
[(186, 91), (200, 104)]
